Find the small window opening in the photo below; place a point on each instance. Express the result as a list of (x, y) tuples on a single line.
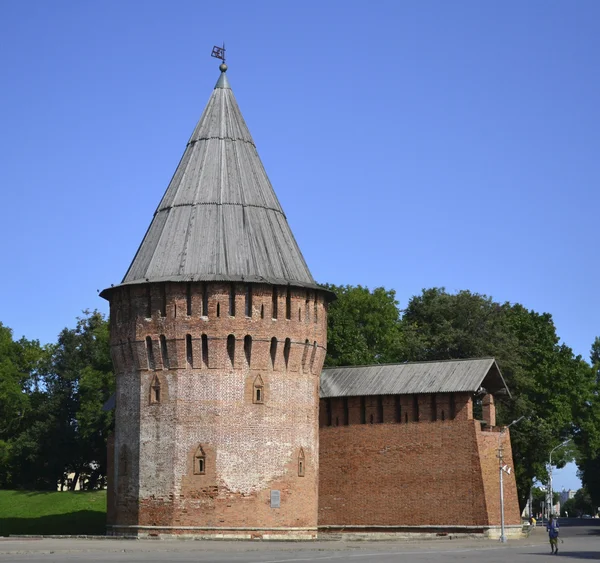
[(478, 408), (205, 350), (305, 354), (316, 315), (274, 304), (299, 314), (258, 395), (398, 409), (199, 462), (405, 417), (232, 300), (148, 302), (443, 416), (415, 408), (150, 353), (380, 409), (164, 352), (286, 351), (371, 419), (189, 354), (218, 310), (273, 351), (204, 300), (155, 391), (231, 348), (130, 308), (346, 411), (328, 412), (248, 349), (262, 311), (337, 421), (301, 463), (363, 410), (307, 308), (288, 304), (248, 303), (452, 406), (433, 408), (188, 300), (313, 355), (163, 300)]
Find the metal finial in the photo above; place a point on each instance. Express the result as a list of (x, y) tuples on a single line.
[(219, 53)]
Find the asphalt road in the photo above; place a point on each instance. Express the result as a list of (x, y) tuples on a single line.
[(581, 542)]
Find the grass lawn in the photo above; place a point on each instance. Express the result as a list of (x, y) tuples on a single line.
[(32, 512)]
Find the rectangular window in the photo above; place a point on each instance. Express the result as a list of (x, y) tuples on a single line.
[(415, 408), (232, 300), (274, 304), (205, 350), (380, 409), (204, 300), (148, 302), (188, 350), (452, 406), (188, 300), (248, 305), (163, 300), (288, 304), (398, 409)]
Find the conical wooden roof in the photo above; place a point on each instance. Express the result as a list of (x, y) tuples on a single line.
[(220, 218)]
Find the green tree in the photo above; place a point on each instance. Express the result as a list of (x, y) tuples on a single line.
[(550, 386), (66, 430), (595, 358), (579, 505), (19, 367), (589, 458), (363, 326)]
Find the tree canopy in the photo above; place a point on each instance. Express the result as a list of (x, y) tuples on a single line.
[(51, 418)]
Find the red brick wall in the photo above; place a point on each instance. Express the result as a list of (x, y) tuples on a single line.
[(488, 454), (250, 448), (415, 474)]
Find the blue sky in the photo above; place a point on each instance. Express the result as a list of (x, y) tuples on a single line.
[(411, 144)]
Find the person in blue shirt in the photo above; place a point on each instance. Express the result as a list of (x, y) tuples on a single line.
[(552, 529)]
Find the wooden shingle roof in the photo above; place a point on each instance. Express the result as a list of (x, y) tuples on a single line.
[(219, 219), (451, 376)]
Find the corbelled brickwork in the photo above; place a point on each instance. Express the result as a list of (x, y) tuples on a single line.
[(216, 404), (441, 472)]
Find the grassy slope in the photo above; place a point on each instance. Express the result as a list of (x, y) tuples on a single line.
[(31, 512)]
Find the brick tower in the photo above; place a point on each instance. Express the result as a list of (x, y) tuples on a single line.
[(218, 335)]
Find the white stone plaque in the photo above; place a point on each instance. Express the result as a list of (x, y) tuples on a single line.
[(275, 499)]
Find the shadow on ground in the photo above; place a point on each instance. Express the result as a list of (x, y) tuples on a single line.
[(83, 522)]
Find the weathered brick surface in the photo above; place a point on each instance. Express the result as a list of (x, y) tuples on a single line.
[(411, 474), (207, 400)]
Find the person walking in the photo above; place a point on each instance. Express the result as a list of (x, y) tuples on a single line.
[(552, 529)]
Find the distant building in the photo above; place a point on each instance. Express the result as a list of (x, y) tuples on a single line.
[(565, 495)]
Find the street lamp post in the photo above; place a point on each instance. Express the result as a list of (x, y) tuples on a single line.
[(501, 471), (549, 502)]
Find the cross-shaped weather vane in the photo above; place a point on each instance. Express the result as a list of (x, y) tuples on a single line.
[(218, 52)]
